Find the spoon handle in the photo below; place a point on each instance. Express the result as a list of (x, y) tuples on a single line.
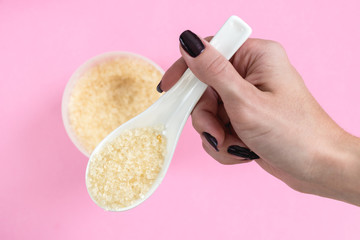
[(188, 90)]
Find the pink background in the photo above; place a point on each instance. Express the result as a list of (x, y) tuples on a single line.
[(42, 187)]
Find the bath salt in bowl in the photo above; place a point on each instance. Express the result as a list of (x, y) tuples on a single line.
[(105, 92)]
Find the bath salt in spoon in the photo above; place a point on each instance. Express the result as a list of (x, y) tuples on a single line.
[(130, 163)]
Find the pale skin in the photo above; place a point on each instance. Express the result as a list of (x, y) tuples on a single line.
[(259, 101)]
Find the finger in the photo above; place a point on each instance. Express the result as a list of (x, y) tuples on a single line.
[(223, 156), (213, 69), (222, 114), (172, 75), (205, 120)]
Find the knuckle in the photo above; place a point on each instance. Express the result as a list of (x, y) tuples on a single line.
[(273, 47), (274, 44), (210, 152), (222, 162), (208, 38), (217, 67), (195, 123), (272, 52), (268, 46)]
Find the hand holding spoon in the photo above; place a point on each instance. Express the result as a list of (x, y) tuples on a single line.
[(168, 115)]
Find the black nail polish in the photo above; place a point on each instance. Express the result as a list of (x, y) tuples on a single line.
[(242, 152), (253, 156), (213, 142), (191, 43), (158, 88)]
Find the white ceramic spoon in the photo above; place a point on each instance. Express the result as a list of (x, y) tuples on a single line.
[(173, 108)]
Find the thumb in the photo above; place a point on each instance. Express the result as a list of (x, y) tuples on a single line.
[(212, 68)]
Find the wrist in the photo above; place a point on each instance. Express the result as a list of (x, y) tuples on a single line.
[(339, 169), (350, 161)]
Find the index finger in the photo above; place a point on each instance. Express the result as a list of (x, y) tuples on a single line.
[(172, 75)]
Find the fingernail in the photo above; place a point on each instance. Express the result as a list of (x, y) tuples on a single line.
[(191, 43), (242, 152), (213, 142), (158, 88)]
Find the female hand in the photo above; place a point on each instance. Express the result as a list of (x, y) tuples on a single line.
[(258, 107)]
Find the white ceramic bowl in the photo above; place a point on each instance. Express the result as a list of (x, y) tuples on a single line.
[(77, 74)]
